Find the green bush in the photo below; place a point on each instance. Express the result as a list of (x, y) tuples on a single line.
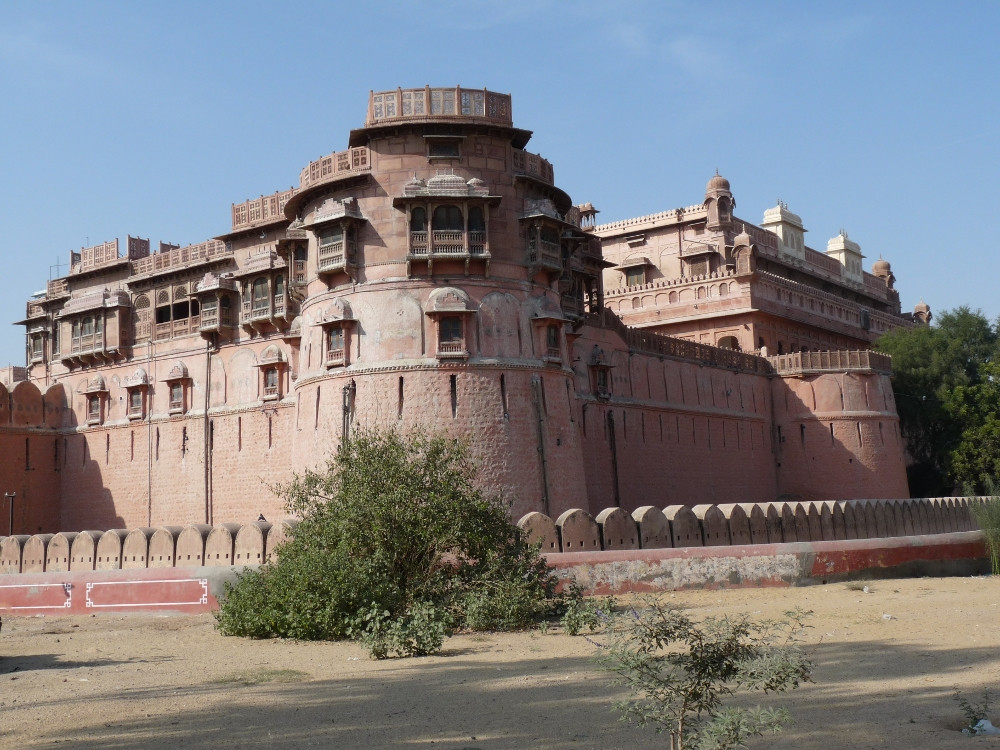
[(397, 546), (680, 671), (581, 613), (987, 516)]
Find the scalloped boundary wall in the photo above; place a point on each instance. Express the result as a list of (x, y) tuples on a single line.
[(184, 569)]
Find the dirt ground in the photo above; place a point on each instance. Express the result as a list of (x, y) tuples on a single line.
[(887, 663)]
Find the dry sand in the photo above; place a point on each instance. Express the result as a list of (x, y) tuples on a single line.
[(886, 666)]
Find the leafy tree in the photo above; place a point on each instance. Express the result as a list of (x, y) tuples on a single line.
[(929, 363), (976, 410), (398, 544), (680, 672)]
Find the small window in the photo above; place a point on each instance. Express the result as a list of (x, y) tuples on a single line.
[(451, 335), (601, 381), (442, 148), (176, 396), (135, 403), (271, 382), (336, 354), (93, 409), (552, 347), (635, 276)]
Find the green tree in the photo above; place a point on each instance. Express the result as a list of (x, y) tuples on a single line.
[(397, 544), (975, 461), (929, 363)]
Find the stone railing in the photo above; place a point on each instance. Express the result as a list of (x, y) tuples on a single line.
[(534, 165), (180, 257), (647, 527), (839, 361), (431, 103), (263, 210), (335, 166), (659, 344), (677, 283), (56, 288)]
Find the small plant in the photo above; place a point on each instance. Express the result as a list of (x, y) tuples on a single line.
[(585, 613), (973, 712), (987, 516), (680, 672)]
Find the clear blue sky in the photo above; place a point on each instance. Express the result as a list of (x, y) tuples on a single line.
[(151, 118)]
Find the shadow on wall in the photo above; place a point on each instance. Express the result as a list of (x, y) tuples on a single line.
[(34, 454)]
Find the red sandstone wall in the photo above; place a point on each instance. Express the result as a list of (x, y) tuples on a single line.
[(839, 437), (27, 462), (683, 433)]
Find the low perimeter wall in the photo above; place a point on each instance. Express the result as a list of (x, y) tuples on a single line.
[(197, 589)]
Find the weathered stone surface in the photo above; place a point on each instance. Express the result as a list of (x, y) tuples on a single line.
[(654, 530), (538, 528), (618, 530), (578, 531), (685, 528)]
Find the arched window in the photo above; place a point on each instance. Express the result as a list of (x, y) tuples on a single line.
[(448, 218), (418, 220), (477, 221), (279, 286)]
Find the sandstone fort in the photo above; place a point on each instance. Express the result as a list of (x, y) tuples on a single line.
[(432, 273)]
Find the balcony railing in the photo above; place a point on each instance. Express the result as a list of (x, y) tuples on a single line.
[(335, 357), (263, 310), (180, 257), (299, 271), (334, 166), (86, 344), (527, 163), (214, 318), (270, 391), (477, 243), (553, 352), (57, 288), (183, 327), (448, 243), (799, 362), (332, 257), (452, 348), (263, 210)]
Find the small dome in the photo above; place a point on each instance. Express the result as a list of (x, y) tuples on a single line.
[(717, 184), (446, 182), (475, 182), (881, 268), (416, 181), (742, 239), (922, 307)]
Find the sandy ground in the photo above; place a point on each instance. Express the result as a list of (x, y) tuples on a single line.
[(887, 663)]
